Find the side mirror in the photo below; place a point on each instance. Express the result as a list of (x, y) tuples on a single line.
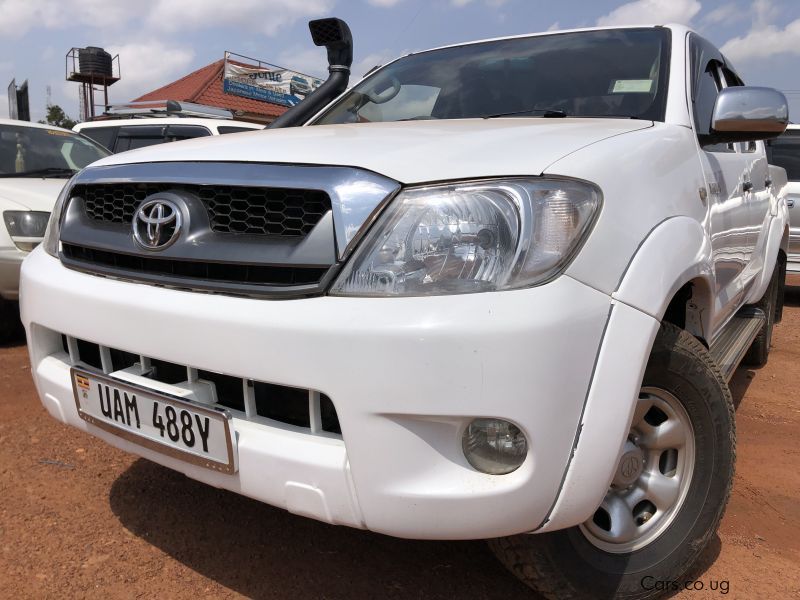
[(743, 114)]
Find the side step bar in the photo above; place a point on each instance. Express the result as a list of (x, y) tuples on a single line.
[(732, 344)]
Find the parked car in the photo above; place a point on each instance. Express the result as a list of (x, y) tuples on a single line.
[(785, 152), (494, 289), (35, 162), (119, 135)]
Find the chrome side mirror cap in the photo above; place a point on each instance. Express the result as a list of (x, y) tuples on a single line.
[(743, 114)]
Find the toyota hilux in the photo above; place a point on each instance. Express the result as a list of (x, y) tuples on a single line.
[(494, 290)]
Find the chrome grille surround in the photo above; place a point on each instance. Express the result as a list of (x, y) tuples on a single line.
[(316, 215)]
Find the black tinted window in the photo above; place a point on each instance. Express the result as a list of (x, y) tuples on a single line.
[(785, 152), (705, 98), (176, 133), (102, 135), (36, 149), (616, 72), (231, 129)]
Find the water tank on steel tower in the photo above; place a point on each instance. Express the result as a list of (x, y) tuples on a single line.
[(94, 61)]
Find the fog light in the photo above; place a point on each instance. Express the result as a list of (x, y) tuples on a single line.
[(494, 446)]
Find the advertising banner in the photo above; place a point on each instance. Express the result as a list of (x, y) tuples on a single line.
[(266, 82)]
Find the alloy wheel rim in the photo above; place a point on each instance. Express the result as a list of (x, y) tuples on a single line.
[(652, 478)]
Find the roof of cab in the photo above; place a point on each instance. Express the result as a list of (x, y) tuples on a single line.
[(19, 123)]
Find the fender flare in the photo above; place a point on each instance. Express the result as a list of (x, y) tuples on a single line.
[(681, 250), (777, 239)]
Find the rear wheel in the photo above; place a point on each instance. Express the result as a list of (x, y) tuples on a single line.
[(758, 353), (667, 496)]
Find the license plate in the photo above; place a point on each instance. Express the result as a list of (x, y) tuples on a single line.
[(186, 430)]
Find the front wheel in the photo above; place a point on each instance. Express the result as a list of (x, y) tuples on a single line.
[(667, 496)]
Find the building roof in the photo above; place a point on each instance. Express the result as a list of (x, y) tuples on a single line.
[(204, 86)]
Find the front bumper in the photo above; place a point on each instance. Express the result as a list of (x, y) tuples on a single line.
[(406, 375), (10, 262)]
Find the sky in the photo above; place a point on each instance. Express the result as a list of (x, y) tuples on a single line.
[(159, 41)]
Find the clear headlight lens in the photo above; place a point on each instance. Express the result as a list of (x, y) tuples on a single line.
[(471, 237), (494, 446), (50, 242)]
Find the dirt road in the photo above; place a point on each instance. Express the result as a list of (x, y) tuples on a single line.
[(81, 519)]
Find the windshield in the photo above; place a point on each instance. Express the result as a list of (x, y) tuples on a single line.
[(38, 152), (609, 73), (785, 152)]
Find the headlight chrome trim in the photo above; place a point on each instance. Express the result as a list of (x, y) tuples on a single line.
[(525, 246)]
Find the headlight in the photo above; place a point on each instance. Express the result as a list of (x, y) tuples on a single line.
[(53, 232), (26, 227), (471, 237), (26, 223)]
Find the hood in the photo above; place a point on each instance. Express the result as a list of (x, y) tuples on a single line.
[(408, 152), (31, 193)]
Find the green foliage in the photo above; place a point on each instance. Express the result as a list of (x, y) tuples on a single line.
[(56, 116)]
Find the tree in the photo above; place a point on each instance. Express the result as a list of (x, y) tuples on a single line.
[(56, 116)]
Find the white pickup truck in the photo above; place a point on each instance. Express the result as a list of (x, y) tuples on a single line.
[(494, 290)]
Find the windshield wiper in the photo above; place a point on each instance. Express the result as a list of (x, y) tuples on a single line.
[(545, 112), (48, 172)]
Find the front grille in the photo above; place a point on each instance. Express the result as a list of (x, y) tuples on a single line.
[(202, 272), (252, 400), (266, 211)]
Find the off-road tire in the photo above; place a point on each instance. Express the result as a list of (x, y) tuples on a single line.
[(758, 354), (781, 287), (565, 565)]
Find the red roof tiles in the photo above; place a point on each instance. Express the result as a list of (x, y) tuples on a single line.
[(204, 86)]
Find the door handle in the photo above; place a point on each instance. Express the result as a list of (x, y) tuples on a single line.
[(790, 202), (747, 186)]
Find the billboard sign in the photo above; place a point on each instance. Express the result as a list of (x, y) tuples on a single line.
[(266, 82), (18, 103)]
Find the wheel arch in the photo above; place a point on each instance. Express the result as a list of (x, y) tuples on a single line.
[(671, 269)]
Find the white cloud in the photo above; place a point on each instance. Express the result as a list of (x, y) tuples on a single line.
[(651, 11), (147, 65), (765, 11), (462, 3), (265, 16), (310, 61), (20, 16), (764, 41), (725, 15), (384, 3)]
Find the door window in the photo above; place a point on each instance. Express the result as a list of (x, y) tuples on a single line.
[(176, 133), (708, 86)]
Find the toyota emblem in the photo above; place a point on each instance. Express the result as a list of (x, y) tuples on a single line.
[(156, 224)]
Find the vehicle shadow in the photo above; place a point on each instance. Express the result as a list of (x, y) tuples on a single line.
[(261, 551), (739, 383)]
